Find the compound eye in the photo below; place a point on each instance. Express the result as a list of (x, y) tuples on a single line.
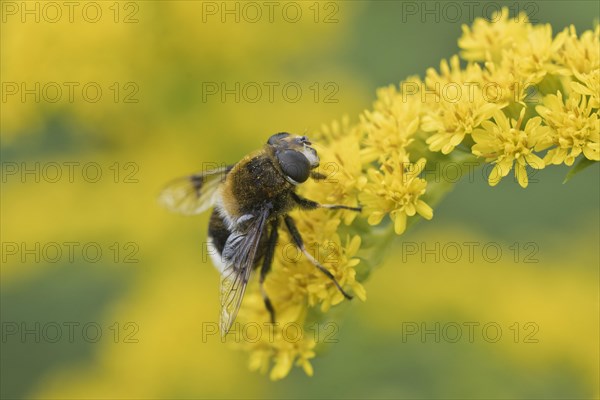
[(294, 164)]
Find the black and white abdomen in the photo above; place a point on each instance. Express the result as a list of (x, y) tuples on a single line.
[(218, 233)]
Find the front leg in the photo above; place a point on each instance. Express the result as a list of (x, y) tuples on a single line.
[(307, 204), (266, 267)]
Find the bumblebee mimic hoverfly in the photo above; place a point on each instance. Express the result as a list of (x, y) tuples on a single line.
[(251, 199)]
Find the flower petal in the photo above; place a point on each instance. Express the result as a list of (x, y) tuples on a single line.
[(521, 175), (534, 161), (424, 210), (400, 222)]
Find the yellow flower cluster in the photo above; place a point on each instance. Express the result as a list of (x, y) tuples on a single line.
[(524, 99), (394, 187), (522, 92), (507, 142), (555, 77), (574, 125)]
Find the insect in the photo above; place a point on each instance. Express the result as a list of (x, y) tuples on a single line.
[(251, 199)]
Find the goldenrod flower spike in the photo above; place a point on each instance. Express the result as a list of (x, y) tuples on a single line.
[(524, 99)]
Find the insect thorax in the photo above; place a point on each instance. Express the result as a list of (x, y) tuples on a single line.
[(254, 183)]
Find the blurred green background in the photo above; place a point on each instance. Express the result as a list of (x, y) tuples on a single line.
[(155, 120)]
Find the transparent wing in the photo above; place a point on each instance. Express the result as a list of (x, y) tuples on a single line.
[(195, 193), (238, 255)]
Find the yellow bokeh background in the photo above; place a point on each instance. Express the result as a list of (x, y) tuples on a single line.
[(169, 52)]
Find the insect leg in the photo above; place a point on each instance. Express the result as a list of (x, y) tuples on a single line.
[(311, 205), (291, 226), (266, 267)]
